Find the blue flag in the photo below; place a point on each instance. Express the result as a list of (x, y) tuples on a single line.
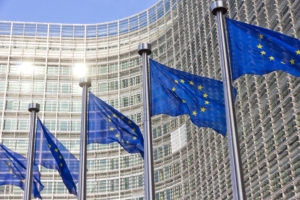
[(107, 125), (51, 154), (176, 93), (255, 50), (13, 171)]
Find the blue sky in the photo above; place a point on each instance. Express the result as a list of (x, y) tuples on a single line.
[(70, 11)]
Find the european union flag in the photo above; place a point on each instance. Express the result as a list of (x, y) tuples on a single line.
[(13, 171), (255, 50), (52, 154), (176, 93), (107, 125)]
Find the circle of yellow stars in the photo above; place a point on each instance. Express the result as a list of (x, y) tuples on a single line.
[(200, 87), (271, 58), (117, 135)]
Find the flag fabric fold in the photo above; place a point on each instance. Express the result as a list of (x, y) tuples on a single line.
[(52, 154), (13, 171), (175, 92), (256, 50), (107, 125)]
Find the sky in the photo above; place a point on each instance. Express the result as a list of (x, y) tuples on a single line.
[(71, 11)]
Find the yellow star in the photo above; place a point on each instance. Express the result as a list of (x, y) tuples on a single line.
[(191, 82), (122, 141), (206, 102), (200, 87), (261, 36), (298, 52), (49, 145), (61, 164), (10, 171), (292, 61), (271, 58), (8, 164), (114, 115), (205, 95), (259, 46), (127, 142), (56, 150), (282, 62), (108, 116), (173, 89), (15, 176), (183, 101), (176, 81), (182, 81), (109, 120), (23, 181), (111, 128), (60, 157), (129, 122), (133, 130), (263, 53), (134, 138), (194, 113), (117, 135), (203, 109)]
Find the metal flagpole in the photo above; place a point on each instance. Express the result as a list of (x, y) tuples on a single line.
[(34, 108), (85, 83), (144, 50), (218, 8)]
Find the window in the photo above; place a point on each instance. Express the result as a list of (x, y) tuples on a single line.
[(2, 86), (76, 125), (50, 106), (103, 69), (38, 86), (13, 86), (113, 67), (26, 87), (113, 85), (63, 125), (52, 70), (102, 87), (65, 70), (65, 88), (124, 102), (23, 125), (51, 87), (76, 107), (64, 106), (12, 105), (10, 124), (50, 124)]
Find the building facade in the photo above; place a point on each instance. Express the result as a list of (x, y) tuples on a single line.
[(190, 162)]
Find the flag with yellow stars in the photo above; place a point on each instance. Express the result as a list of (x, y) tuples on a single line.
[(13, 171), (175, 92), (107, 125), (256, 50), (52, 154)]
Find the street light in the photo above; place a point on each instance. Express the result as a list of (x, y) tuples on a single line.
[(26, 68), (79, 70)]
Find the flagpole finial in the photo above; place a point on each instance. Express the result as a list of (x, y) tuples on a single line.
[(34, 107), (144, 47), (218, 5), (85, 81)]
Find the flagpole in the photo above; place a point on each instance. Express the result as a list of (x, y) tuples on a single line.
[(85, 83), (218, 8), (34, 108), (144, 49)]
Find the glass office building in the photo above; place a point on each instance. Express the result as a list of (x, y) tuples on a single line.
[(190, 162)]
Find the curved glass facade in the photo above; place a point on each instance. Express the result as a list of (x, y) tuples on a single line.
[(190, 162)]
